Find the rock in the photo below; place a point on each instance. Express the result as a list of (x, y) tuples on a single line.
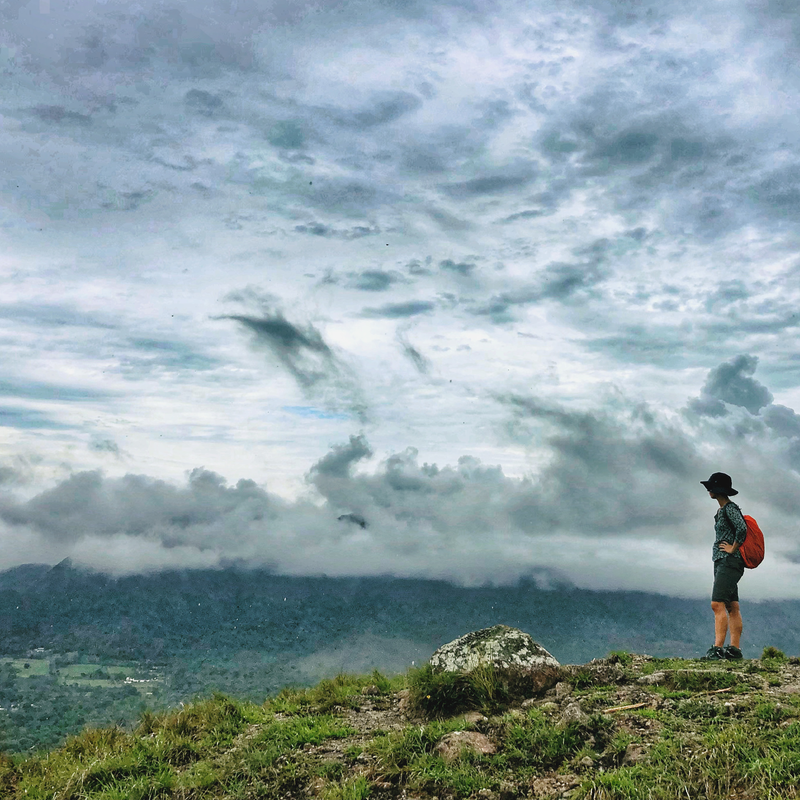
[(598, 671), (634, 753), (554, 786), (523, 664), (563, 690), (549, 706), (471, 717), (451, 745), (529, 703), (586, 761), (653, 679), (573, 713), (371, 690)]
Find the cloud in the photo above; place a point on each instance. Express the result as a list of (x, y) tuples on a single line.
[(302, 351), (499, 183), (420, 362), (28, 418), (614, 504), (328, 232), (103, 445), (142, 356), (464, 268), (374, 280), (37, 390), (410, 308), (385, 107), (784, 421), (55, 315), (564, 282), (731, 383)]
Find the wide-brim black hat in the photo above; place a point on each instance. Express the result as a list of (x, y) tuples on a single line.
[(720, 483)]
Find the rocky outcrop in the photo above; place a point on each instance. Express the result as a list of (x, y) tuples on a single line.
[(523, 665)]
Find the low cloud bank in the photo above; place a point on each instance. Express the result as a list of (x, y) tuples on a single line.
[(617, 505)]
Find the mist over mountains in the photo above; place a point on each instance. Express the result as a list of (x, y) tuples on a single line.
[(311, 627)]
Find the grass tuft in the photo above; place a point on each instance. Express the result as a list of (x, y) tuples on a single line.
[(438, 695)]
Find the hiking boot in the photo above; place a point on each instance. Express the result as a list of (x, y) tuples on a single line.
[(714, 654), (733, 653)]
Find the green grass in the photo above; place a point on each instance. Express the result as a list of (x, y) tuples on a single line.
[(36, 666), (291, 747), (88, 670), (343, 690), (443, 694)]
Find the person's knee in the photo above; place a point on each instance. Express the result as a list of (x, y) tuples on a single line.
[(718, 607)]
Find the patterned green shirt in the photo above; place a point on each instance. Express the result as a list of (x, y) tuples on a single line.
[(729, 526)]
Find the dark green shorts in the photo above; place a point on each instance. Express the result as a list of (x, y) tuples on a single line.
[(727, 572)]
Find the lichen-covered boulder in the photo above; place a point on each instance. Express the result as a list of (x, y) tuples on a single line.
[(524, 665)]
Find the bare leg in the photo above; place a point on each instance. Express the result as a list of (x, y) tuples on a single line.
[(735, 621), (720, 623)]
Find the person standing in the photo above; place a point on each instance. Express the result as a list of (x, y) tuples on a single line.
[(730, 529)]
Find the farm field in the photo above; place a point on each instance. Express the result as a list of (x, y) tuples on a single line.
[(35, 666)]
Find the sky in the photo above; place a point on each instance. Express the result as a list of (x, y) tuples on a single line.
[(446, 289)]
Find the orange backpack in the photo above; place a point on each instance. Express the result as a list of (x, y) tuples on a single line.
[(752, 548)]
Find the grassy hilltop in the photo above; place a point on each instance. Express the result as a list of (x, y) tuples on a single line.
[(627, 726)]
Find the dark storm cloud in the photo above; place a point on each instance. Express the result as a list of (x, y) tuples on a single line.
[(732, 382), (400, 310), (305, 355)]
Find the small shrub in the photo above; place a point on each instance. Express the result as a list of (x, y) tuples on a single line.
[(444, 694), (583, 679), (620, 657), (773, 653), (381, 681)]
